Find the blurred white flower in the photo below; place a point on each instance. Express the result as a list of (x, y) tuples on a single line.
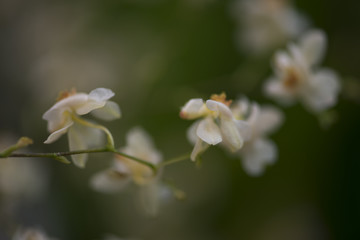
[(125, 170), (266, 24), (63, 118), (30, 234), (259, 151), (298, 78), (217, 125)]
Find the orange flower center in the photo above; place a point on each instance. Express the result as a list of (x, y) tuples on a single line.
[(65, 94), (221, 98), (292, 80)]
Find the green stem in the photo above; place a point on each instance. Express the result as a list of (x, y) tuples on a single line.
[(174, 160), (57, 154), (150, 165), (93, 125)]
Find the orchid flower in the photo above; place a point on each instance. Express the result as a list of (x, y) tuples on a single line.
[(124, 170), (216, 125), (259, 151), (64, 117), (297, 76)]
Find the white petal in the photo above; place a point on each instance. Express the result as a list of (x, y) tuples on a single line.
[(254, 114), (244, 129), (274, 88), (220, 108), (89, 106), (149, 198), (282, 61), (191, 132), (109, 181), (57, 134), (269, 119), (323, 91), (257, 154), (101, 94), (110, 111), (140, 144), (240, 108), (231, 135), (77, 142), (70, 102), (200, 147), (209, 132), (313, 46), (194, 108)]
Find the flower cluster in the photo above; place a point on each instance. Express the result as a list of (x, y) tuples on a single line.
[(239, 127), (217, 124), (297, 76)]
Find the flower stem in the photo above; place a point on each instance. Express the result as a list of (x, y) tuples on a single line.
[(109, 137), (174, 160), (56, 155), (150, 165)]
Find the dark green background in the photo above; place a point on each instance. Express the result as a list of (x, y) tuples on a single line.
[(161, 54)]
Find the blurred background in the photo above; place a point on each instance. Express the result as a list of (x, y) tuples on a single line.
[(156, 55)]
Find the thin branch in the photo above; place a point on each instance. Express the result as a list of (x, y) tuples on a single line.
[(174, 160)]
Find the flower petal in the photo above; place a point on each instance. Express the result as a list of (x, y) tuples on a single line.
[(77, 141), (323, 91), (231, 135), (313, 46), (274, 88), (149, 198), (200, 147), (109, 181), (96, 99), (244, 129), (209, 132), (89, 106), (101, 94), (110, 111), (140, 144), (220, 109), (269, 119), (191, 132), (257, 154), (57, 134), (194, 108)]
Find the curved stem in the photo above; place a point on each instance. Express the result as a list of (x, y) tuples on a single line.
[(150, 165), (174, 160), (93, 125)]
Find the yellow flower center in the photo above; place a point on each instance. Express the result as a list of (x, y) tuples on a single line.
[(221, 98)]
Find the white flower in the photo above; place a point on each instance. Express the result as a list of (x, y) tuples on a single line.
[(125, 170), (266, 24), (297, 77), (259, 151), (217, 125), (63, 118), (30, 234)]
